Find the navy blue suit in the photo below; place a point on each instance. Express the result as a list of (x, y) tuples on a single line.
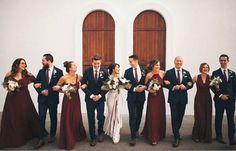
[(227, 87), (135, 100), (177, 98), (94, 87), (48, 102)]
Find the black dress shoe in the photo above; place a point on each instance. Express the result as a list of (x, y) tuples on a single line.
[(221, 140), (196, 140), (93, 143), (232, 142), (51, 139), (132, 142), (39, 145), (176, 143)]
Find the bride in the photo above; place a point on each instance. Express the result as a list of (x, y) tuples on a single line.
[(113, 121)]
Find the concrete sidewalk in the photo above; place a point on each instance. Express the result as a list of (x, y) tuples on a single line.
[(142, 143)]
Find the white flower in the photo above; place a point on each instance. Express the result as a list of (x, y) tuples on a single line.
[(67, 89), (11, 85), (215, 81)]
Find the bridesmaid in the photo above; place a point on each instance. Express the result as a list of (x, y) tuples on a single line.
[(155, 124), (202, 129), (113, 121), (19, 117), (71, 127)]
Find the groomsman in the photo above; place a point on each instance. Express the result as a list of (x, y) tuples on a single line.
[(136, 96), (225, 95), (47, 98), (178, 81), (93, 78)]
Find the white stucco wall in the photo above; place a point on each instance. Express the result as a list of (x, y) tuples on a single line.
[(198, 30)]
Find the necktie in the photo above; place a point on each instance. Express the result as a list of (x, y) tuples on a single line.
[(178, 76), (225, 77), (96, 75), (135, 74), (47, 75)]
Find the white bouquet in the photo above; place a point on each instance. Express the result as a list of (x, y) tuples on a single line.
[(153, 86), (124, 83), (67, 89), (215, 81), (114, 83), (11, 86)]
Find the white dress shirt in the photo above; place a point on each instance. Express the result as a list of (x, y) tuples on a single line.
[(180, 74), (226, 72), (138, 72), (50, 70)]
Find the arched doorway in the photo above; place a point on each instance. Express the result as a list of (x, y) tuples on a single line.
[(98, 38), (149, 37)]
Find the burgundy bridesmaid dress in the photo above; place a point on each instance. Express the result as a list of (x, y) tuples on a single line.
[(19, 118), (202, 129), (71, 127), (155, 124)]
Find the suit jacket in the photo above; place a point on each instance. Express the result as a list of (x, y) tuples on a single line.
[(226, 87), (179, 94), (94, 87), (130, 76), (53, 96)]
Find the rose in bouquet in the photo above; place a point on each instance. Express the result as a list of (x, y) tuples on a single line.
[(153, 86), (216, 82), (67, 89), (11, 86)]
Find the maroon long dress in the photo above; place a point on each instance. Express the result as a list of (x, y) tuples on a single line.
[(71, 127), (19, 118), (202, 129), (155, 124)]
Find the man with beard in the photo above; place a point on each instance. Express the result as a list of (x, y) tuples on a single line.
[(47, 98)]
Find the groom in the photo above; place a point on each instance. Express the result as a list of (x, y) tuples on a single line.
[(47, 98), (93, 78), (178, 81), (136, 96)]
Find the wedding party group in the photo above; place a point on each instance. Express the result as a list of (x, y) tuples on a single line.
[(21, 122)]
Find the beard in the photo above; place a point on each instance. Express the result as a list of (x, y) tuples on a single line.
[(45, 66)]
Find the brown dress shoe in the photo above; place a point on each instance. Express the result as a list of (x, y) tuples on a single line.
[(39, 145), (93, 143), (132, 142), (221, 140), (101, 138), (176, 143)]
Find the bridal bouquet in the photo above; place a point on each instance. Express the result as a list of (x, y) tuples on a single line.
[(11, 86), (215, 81), (67, 89), (153, 86), (114, 83)]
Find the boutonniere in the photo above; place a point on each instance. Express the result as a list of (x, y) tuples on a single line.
[(101, 74), (143, 73), (185, 74), (54, 72)]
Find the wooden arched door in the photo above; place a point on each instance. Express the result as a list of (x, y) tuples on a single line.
[(149, 39), (98, 38)]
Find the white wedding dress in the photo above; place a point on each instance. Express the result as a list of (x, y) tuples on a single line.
[(113, 121)]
